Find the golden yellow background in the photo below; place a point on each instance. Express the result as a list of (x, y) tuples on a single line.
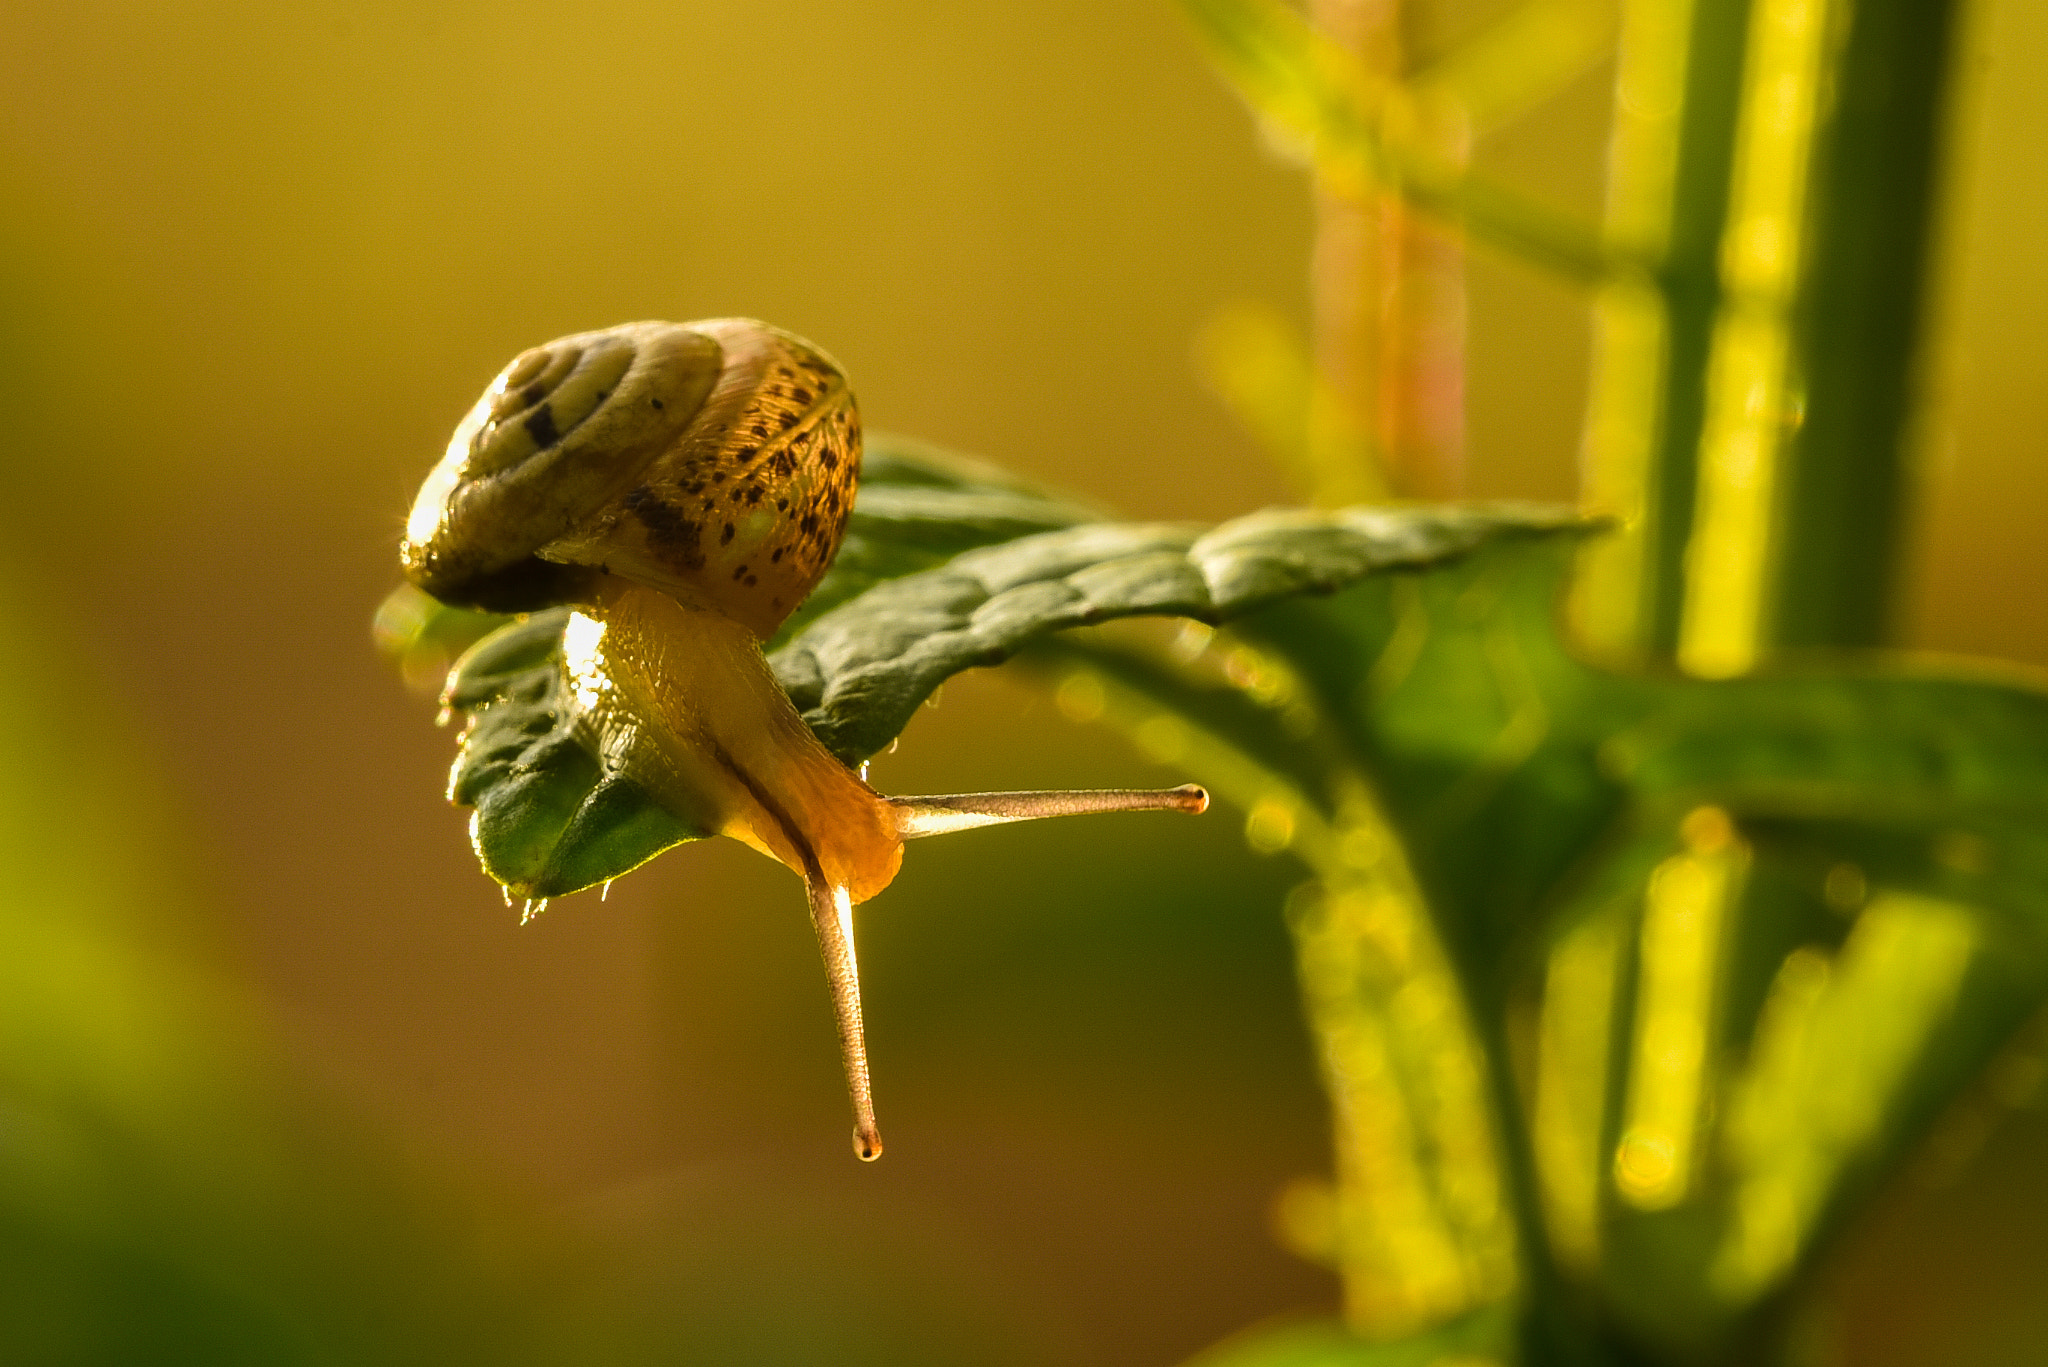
[(255, 260)]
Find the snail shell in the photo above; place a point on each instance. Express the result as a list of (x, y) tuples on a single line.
[(686, 485), (713, 460)]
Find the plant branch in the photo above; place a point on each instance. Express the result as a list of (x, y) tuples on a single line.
[(1359, 131)]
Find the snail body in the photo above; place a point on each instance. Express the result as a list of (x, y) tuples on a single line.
[(730, 752), (684, 487)]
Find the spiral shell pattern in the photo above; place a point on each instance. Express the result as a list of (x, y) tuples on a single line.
[(714, 460)]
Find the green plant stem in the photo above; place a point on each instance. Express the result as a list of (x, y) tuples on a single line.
[(1691, 285), (1792, 210), (1552, 1335), (1416, 1133), (1678, 114), (1860, 325)]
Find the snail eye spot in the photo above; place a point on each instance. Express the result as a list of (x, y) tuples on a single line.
[(658, 403)]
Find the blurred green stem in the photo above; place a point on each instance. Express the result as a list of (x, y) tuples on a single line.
[(1675, 107), (1861, 325), (1753, 415)]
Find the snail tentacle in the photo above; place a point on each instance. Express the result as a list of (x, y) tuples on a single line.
[(832, 918), (917, 817)]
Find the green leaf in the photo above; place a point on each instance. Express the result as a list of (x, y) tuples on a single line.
[(550, 820), (860, 672)]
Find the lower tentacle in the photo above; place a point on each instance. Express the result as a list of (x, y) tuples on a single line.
[(832, 917)]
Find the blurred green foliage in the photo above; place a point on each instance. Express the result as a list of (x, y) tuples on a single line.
[(1722, 952)]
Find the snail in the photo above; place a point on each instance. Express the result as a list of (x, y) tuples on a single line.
[(684, 486)]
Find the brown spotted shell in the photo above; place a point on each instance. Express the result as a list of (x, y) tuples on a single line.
[(714, 460)]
